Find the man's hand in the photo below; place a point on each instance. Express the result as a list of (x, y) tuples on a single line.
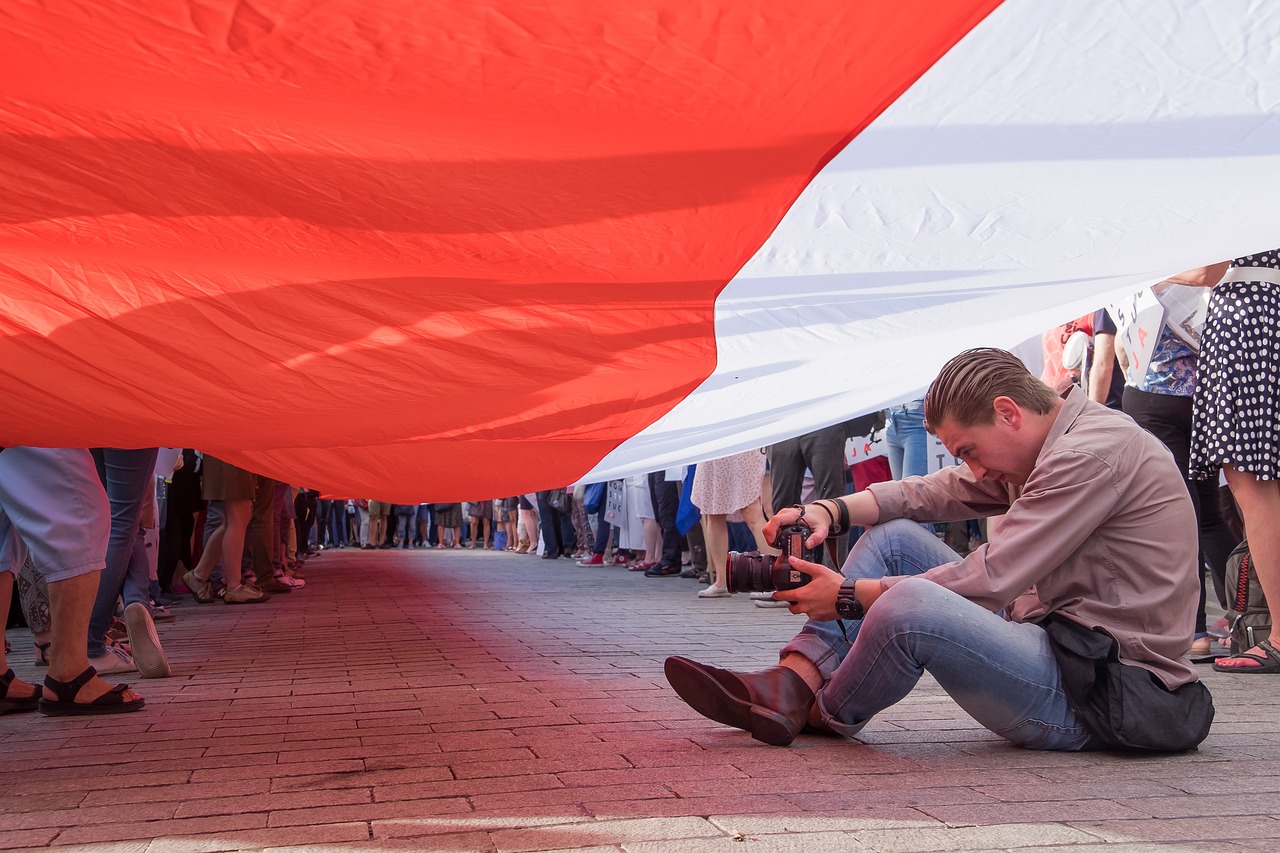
[(817, 520), (817, 598)]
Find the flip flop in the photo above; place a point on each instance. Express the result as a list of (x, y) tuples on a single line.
[(111, 702)]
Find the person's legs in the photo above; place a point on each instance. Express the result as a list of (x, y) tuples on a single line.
[(1259, 503), (568, 537), (261, 531), (715, 533), (125, 475), (54, 505), (1001, 673), (897, 547), (786, 470), (17, 694), (603, 531), (666, 504), (549, 524), (754, 517)]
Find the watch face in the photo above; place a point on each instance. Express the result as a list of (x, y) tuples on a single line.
[(847, 606)]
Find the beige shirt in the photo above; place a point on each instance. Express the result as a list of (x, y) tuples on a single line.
[(1103, 530)]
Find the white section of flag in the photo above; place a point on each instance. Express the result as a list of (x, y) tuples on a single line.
[(1061, 155)]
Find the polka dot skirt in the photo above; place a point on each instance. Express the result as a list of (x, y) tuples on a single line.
[(1237, 401)]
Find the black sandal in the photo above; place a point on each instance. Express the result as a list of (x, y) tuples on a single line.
[(7, 705), (1266, 665), (111, 702)]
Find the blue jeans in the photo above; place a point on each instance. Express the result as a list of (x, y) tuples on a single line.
[(907, 441), (1001, 673), (126, 475)]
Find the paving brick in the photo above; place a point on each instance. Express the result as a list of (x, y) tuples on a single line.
[(11, 839), (602, 833), (459, 702)]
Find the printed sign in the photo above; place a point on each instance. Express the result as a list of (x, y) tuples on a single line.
[(1138, 321), (940, 457), (860, 448)]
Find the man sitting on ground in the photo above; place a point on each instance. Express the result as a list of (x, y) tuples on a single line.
[(1078, 609)]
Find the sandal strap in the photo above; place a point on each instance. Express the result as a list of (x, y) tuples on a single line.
[(1271, 651), (5, 681), (66, 691)]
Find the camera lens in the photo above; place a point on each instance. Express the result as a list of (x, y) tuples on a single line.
[(749, 572)]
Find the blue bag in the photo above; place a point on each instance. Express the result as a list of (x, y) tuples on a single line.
[(593, 498)]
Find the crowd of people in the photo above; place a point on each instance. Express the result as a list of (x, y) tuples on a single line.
[(153, 526)]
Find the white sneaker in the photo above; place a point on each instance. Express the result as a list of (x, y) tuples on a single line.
[(291, 582), (148, 654), (760, 596), (113, 660), (770, 603), (714, 591)]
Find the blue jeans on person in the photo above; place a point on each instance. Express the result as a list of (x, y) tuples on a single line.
[(907, 443), (126, 475), (603, 530), (1001, 673), (906, 440), (337, 524)]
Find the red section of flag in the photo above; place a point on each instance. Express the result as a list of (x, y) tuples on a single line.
[(410, 250)]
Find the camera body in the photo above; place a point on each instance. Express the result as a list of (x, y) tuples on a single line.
[(755, 572)]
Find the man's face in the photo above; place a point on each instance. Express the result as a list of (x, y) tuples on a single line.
[(996, 451)]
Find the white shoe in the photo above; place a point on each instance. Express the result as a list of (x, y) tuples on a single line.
[(148, 654), (760, 596), (770, 603), (714, 591), (291, 582), (113, 660)]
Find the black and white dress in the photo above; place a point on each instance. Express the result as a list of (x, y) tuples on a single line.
[(1236, 417)]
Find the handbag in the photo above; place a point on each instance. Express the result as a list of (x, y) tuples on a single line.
[(1127, 707), (1246, 605), (593, 498), (558, 499)]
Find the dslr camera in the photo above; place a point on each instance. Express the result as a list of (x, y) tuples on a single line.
[(756, 572)]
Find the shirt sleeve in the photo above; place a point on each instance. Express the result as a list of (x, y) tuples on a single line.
[(1069, 495), (951, 494), (1102, 323)]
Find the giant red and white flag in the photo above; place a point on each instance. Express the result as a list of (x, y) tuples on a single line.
[(454, 249)]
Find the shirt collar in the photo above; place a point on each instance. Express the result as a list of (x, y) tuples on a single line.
[(1073, 403)]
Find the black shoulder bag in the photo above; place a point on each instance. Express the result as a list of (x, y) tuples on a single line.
[(1125, 706)]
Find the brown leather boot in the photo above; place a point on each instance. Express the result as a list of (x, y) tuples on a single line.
[(772, 704)]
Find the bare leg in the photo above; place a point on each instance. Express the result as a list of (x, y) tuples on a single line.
[(754, 517), (18, 689), (70, 602), (652, 539), (238, 514), (716, 532), (1259, 502)]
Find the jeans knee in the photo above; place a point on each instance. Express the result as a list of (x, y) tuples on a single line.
[(913, 603)]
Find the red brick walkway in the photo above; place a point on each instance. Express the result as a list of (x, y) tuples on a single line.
[(463, 701)]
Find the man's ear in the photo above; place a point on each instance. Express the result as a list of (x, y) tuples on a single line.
[(1007, 412)]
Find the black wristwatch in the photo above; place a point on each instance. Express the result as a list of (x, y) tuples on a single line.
[(847, 605)]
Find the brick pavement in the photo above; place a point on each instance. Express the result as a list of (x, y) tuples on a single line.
[(465, 701)]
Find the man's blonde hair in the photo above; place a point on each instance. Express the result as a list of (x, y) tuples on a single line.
[(966, 388)]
